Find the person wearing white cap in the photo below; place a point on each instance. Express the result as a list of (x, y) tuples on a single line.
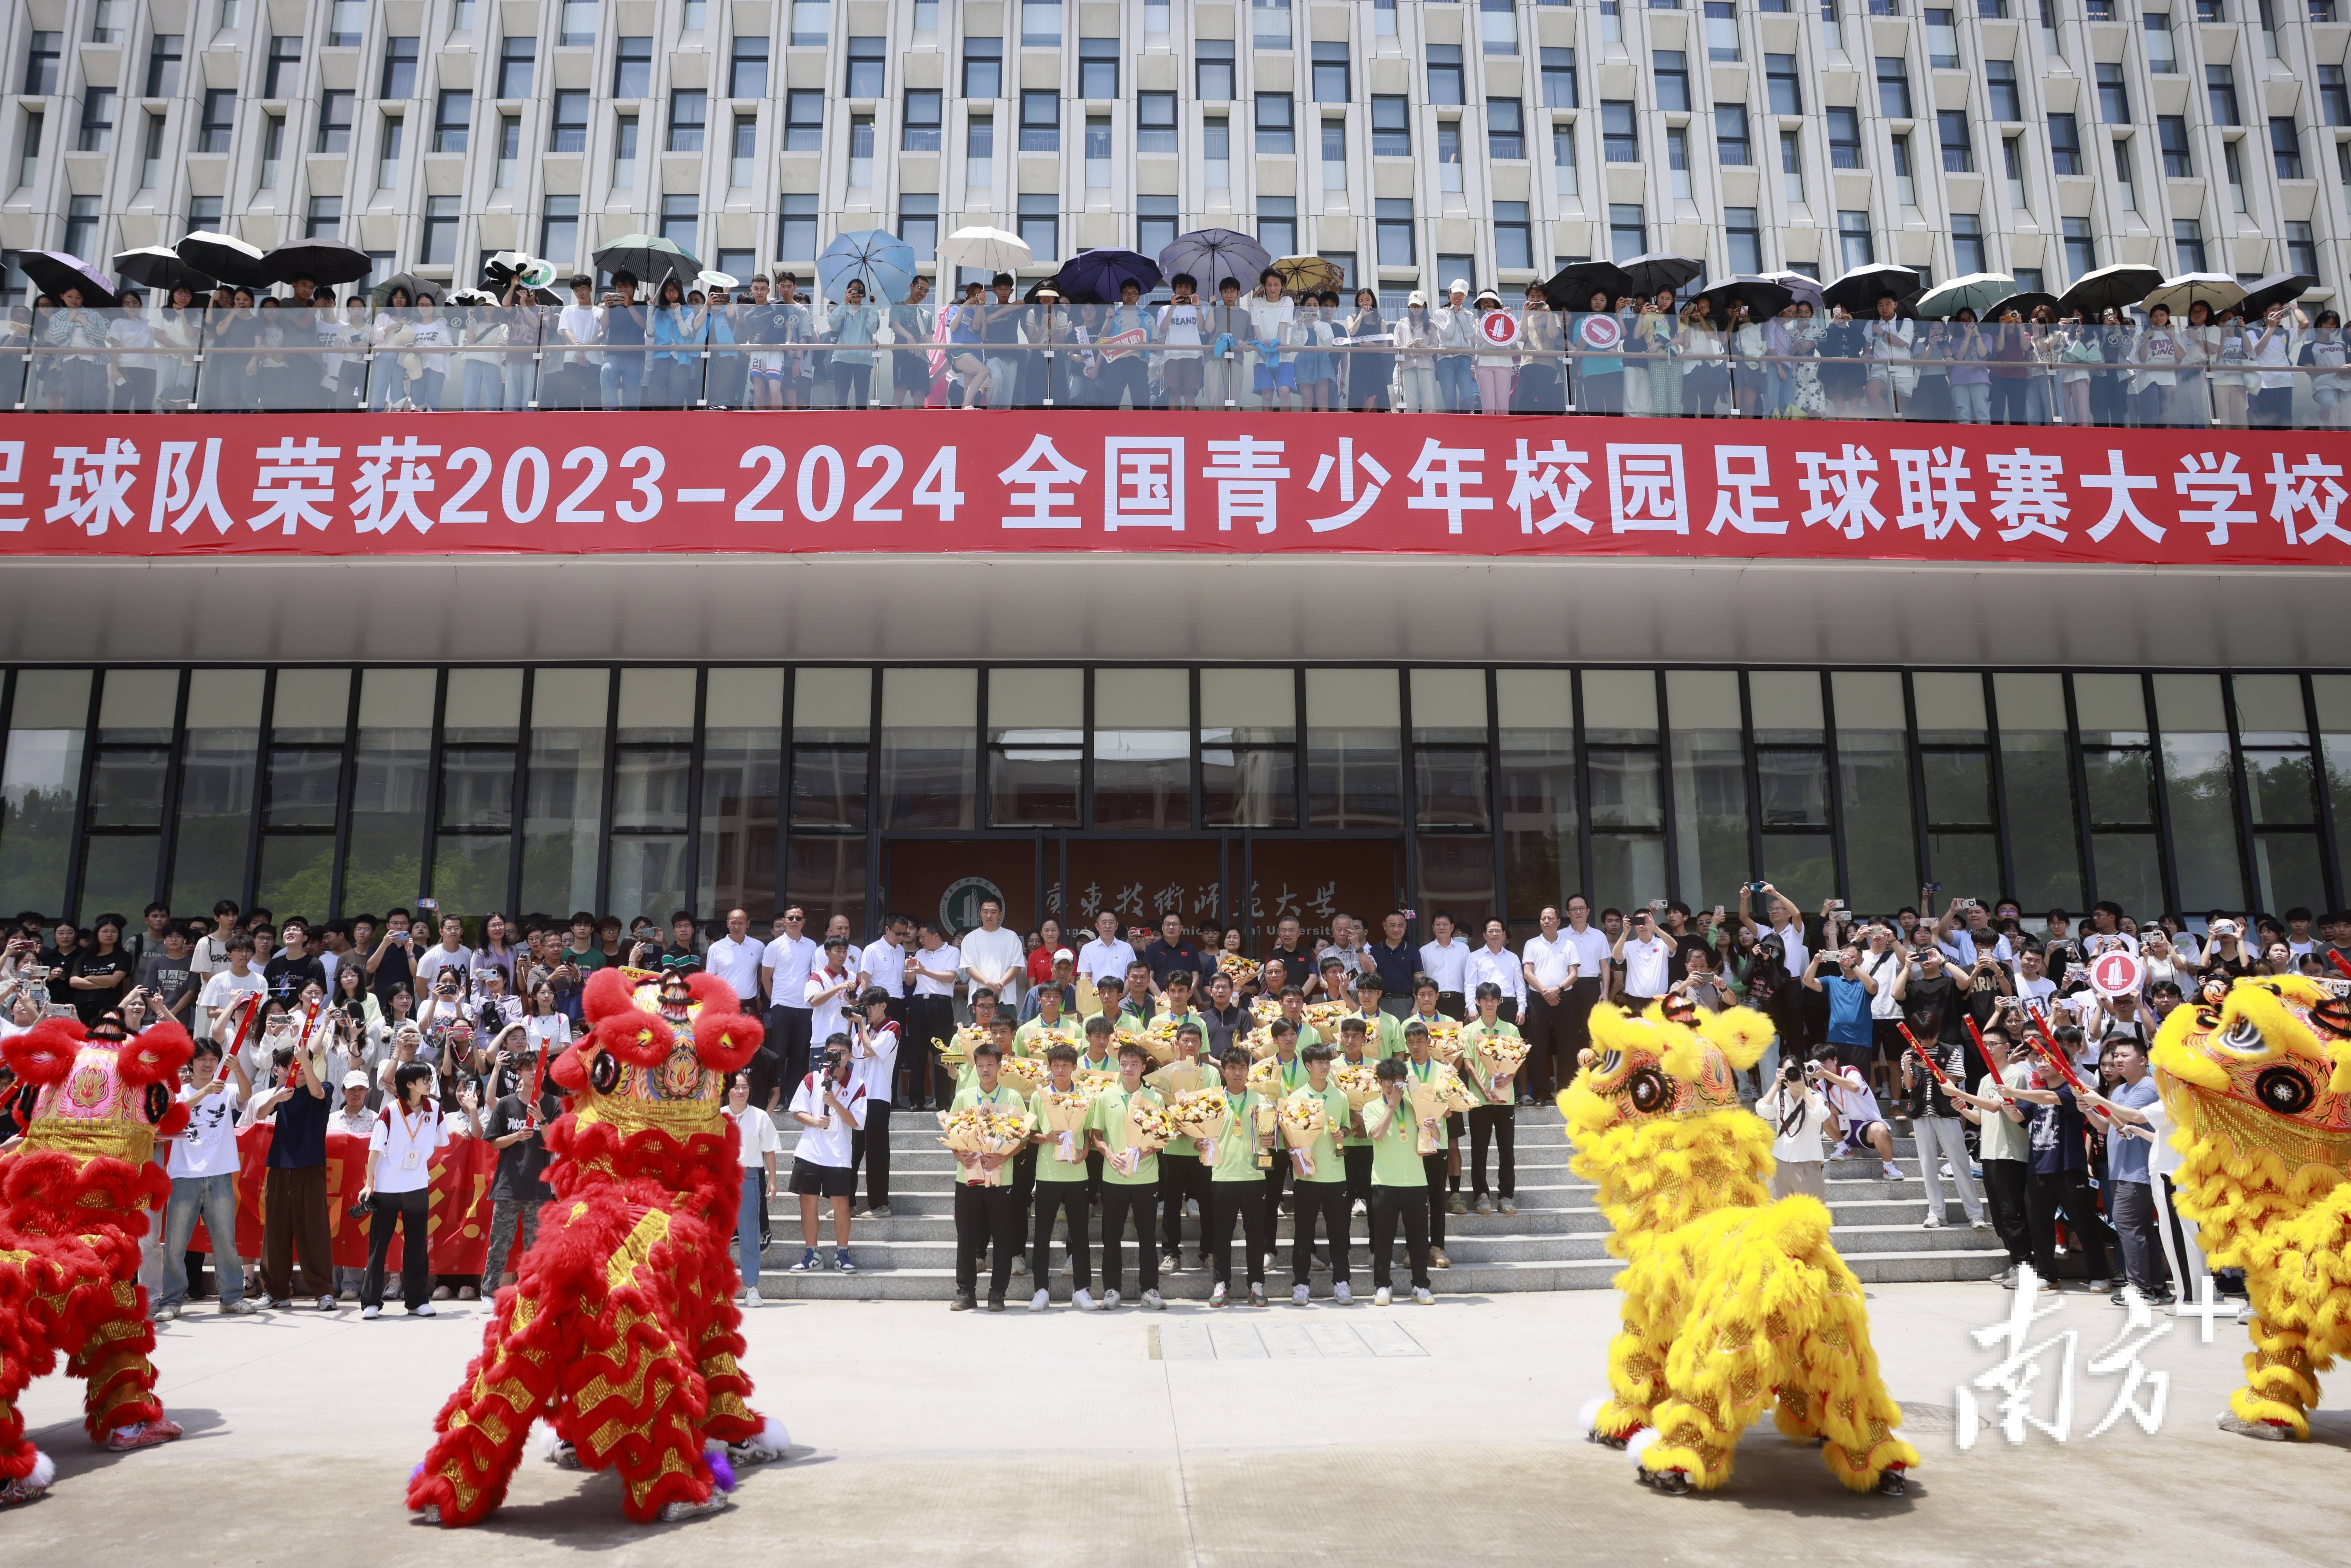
[(1415, 337), (1064, 980), (1496, 372), (351, 1119), (1455, 332)]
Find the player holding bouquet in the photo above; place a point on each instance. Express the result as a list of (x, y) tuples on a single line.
[(1356, 1075), (1062, 1112), (1399, 1184), (1491, 1052), (984, 1215), (1313, 1117), (1182, 1176), (1238, 1154), (1129, 1128)]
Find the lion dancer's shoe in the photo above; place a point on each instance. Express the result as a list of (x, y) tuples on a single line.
[(33, 1483), (142, 1435), (2279, 1390)]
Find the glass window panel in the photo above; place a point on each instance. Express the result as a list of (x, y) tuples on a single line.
[(1456, 876), (476, 788), (219, 754), (930, 748), (1626, 788), (1874, 785), (1627, 869), (2128, 871), (1950, 706), (310, 706), (2199, 787), (294, 874), (1258, 708), (1958, 788), (1142, 748), (139, 705), (391, 792), (832, 723), (1620, 705), (826, 876), (469, 871), (1036, 727), (40, 787), (303, 782), (657, 699), (118, 876), (1804, 866), (742, 773), (1036, 707), (2270, 711), (1787, 705), (1354, 765), (2283, 787), (2333, 708), (1794, 780), (563, 808), (2045, 837), (2121, 786), (1450, 787), (1710, 847), (1449, 706), (1966, 864), (833, 705), (1542, 862), (1033, 786), (1248, 747), (2111, 709), (483, 704), (126, 787), (2287, 871)]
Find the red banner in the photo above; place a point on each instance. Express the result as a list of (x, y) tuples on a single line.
[(458, 1229), (933, 482)]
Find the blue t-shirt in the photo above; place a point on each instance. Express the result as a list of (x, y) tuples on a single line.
[(300, 1140), (2126, 1156), (1848, 1010)]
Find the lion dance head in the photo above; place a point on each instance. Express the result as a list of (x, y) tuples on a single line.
[(100, 1099)]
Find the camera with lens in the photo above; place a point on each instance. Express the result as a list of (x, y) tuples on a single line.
[(1791, 1070)]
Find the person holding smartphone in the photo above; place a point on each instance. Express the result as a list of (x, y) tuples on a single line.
[(1646, 955)]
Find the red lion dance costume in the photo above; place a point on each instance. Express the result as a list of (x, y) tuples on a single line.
[(620, 1328), (74, 1197)]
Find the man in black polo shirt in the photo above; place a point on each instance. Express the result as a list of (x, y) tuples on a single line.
[(1168, 952), (1288, 946), (1397, 962)]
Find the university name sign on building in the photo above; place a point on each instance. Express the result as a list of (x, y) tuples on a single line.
[(932, 483)]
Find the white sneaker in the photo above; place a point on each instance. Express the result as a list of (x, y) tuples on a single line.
[(1421, 1297), (369, 1314), (1934, 1222), (1946, 1170), (1889, 1171), (751, 1299), (1110, 1300), (426, 1310), (1040, 1302), (1299, 1295), (1341, 1294), (1980, 1224), (1082, 1299), (1383, 1297)]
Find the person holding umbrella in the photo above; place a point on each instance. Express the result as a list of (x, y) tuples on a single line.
[(1367, 373), (1658, 334), (1964, 347), (625, 329), (852, 327)]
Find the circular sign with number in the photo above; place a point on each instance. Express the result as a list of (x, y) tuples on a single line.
[(1499, 328), (2116, 973), (960, 904), (1601, 331)]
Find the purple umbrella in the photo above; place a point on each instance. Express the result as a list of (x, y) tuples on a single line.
[(55, 271), (1095, 276)]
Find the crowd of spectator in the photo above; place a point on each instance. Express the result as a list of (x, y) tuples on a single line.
[(1233, 344), (443, 1019)]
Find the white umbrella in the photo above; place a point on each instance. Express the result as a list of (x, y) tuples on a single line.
[(1976, 291), (2216, 290), (989, 250)]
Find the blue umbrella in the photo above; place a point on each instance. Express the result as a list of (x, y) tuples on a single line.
[(1095, 276), (880, 259), (1211, 255)]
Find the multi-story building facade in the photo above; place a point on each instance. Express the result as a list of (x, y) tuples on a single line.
[(1412, 141)]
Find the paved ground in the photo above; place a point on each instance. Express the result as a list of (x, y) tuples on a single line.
[(1415, 1435)]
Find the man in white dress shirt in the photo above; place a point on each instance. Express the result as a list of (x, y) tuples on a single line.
[(993, 956), (930, 1019), (1563, 968), (1495, 964), (1446, 960), (885, 964), (1647, 958), (784, 967), (1107, 954)]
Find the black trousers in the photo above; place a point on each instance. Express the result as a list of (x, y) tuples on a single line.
[(2004, 1185), (1432, 1167), (1061, 1197), (411, 1211), (930, 1023), (1024, 1186), (1181, 1176), (1238, 1203), (1452, 1005), (1325, 1200), (983, 1215), (1490, 1125), (1359, 1173), (2044, 1196), (1276, 1176), (1411, 1206), (868, 1147), (1119, 1200), (1551, 1062), (787, 1037)]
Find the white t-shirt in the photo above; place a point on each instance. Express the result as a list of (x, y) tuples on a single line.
[(1551, 957), (790, 958), (942, 959), (1447, 963), (885, 966), (736, 963), (827, 1146), (1502, 968), (825, 1021), (402, 1144), (1855, 1104), (1883, 969), (875, 1072), (435, 959), (223, 990), (208, 1146), (1795, 955), (995, 958), (755, 1136), (1099, 958), (1647, 965), (547, 1031)]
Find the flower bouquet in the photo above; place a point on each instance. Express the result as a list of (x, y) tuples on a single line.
[(1204, 1116), (1325, 1017), (1025, 1073), (1064, 1111), (985, 1130), (1265, 1009), (1302, 1122), (1445, 1040), (1157, 1039), (955, 1050), (1235, 968), (1495, 1060), (1096, 1079), (1360, 1080), (1259, 1042), (1178, 1077), (1435, 1098), (1265, 1075), (1150, 1128)]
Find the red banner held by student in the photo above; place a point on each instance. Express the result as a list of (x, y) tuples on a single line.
[(459, 1228)]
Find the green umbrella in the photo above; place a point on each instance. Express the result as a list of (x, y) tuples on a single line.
[(649, 258)]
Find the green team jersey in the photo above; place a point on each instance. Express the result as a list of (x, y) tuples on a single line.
[(1237, 1150), (1050, 1167), (1033, 1039), (1471, 1033), (1329, 1165), (1288, 1075), (1109, 1119), (1421, 1073), (1395, 1143), (1383, 1035), (1354, 1140)]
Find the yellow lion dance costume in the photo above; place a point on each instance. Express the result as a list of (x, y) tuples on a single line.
[(2258, 1079), (1732, 1303)]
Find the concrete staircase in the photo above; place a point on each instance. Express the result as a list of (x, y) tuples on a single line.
[(1555, 1242)]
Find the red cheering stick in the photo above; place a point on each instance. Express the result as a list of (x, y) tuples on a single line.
[(1976, 1035), (245, 1030), (2051, 1051), (1941, 1077), (2340, 961)]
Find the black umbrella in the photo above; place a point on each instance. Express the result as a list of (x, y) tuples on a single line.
[(648, 258), (1858, 290), (55, 271), (2025, 302), (323, 261), (2120, 287), (1659, 270), (407, 280), (159, 267), (1762, 297), (1573, 285), (2277, 289), (230, 259)]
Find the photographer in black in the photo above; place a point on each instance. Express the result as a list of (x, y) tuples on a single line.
[(516, 1129)]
